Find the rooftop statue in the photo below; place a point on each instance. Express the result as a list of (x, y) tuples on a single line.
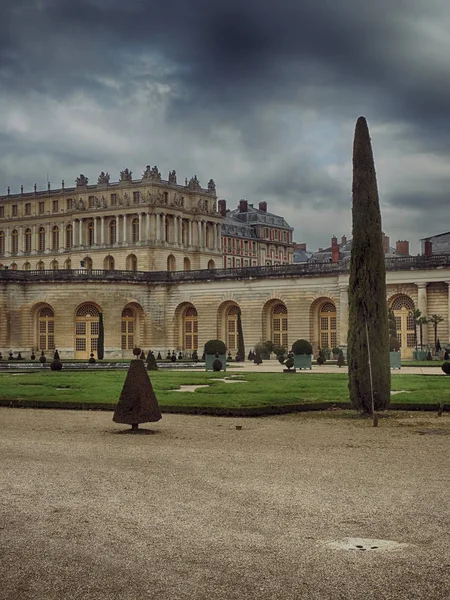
[(194, 183), (172, 176), (211, 186), (151, 173), (125, 175), (82, 180), (103, 177)]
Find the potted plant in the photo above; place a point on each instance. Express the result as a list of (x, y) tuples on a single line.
[(215, 350), (302, 350), (395, 359)]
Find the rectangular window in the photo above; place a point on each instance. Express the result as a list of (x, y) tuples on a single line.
[(2, 211), (55, 206), (136, 197), (91, 201), (284, 236), (28, 208), (14, 210), (69, 203), (113, 199), (41, 208)]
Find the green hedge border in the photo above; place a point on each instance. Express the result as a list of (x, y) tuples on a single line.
[(217, 411)]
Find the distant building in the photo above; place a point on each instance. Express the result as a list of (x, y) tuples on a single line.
[(337, 252), (301, 254), (436, 244), (253, 237)]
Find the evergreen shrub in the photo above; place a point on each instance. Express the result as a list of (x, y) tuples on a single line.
[(213, 346), (302, 347)]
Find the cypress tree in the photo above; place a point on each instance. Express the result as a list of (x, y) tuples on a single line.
[(241, 346), (367, 286)]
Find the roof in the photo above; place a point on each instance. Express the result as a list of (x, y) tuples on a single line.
[(255, 216)]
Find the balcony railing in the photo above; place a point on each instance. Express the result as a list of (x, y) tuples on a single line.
[(410, 263)]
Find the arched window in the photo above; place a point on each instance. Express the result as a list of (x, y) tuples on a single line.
[(55, 237), (190, 329), (2, 242), (69, 236), (187, 264), (128, 329), (40, 266), (46, 329), (26, 266), (41, 239), (171, 264), (211, 264), (280, 325), (13, 267), (327, 326), (90, 233), (86, 330), (131, 262), (68, 264), (14, 241), (112, 231), (87, 260), (232, 329), (28, 240), (135, 229), (54, 265), (403, 309), (109, 263)]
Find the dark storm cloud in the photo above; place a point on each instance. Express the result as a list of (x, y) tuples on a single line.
[(252, 77)]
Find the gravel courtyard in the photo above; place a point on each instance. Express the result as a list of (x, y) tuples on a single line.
[(201, 510)]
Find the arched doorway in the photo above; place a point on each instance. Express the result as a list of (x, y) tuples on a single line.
[(171, 264), (211, 264), (46, 329), (87, 263), (327, 326), (109, 263), (279, 322), (128, 329), (232, 329), (187, 264), (402, 307), (190, 329), (86, 330)]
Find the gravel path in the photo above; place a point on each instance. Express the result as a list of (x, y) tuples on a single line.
[(199, 510)]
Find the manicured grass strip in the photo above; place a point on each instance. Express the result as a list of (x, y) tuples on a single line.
[(261, 390)]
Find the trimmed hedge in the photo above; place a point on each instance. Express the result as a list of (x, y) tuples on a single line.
[(215, 346), (302, 347)]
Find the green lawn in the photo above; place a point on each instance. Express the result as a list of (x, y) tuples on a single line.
[(259, 389)]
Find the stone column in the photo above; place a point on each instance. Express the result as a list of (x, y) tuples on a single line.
[(219, 236), (189, 240), (8, 241), (141, 228), (74, 237), (33, 239), (147, 227), (422, 306), (124, 229), (199, 233), (20, 245), (175, 230), (62, 236), (48, 236), (158, 233), (163, 227), (343, 314), (95, 231), (102, 231), (80, 232)]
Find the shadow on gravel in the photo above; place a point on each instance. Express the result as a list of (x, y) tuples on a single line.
[(135, 432)]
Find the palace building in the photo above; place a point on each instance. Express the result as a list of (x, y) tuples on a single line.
[(168, 271)]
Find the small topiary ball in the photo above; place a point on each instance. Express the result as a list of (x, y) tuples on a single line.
[(137, 351), (217, 365), (289, 363), (446, 368), (301, 347)]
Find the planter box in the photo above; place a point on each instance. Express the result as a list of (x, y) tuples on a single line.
[(210, 358), (395, 360), (303, 361), (420, 355)]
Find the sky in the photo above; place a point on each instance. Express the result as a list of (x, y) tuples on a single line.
[(261, 96)]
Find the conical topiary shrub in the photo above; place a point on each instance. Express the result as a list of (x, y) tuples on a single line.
[(137, 403), (151, 362), (42, 358), (56, 364)]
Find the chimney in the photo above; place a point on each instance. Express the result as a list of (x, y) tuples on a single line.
[(334, 250), (343, 240), (243, 206), (263, 206), (402, 247), (222, 204), (300, 246), (428, 248), (386, 242)]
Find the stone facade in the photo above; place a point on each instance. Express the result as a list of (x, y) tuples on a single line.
[(146, 224), (182, 310)]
